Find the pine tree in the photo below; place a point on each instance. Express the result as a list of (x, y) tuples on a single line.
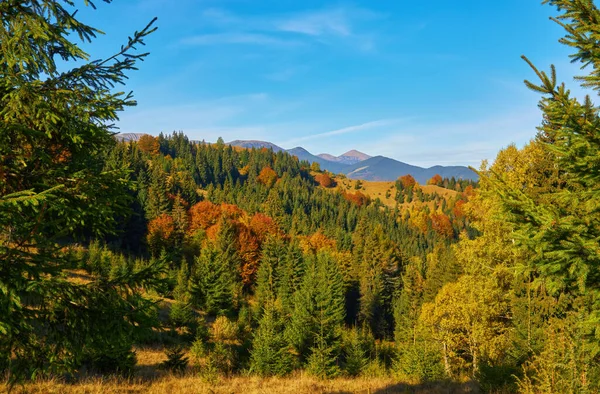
[(318, 317), (270, 350), (267, 280), (229, 258), (181, 224), (290, 280), (211, 286), (54, 132)]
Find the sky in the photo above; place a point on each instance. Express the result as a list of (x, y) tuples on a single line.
[(424, 82)]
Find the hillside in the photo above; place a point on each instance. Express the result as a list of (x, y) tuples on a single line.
[(385, 191)]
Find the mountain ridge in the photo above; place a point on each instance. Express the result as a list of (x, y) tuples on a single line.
[(354, 164)]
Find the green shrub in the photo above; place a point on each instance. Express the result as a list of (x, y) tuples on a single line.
[(176, 360)]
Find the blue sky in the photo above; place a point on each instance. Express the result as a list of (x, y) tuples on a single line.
[(436, 82)]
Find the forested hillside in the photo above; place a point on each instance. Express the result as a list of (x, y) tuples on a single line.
[(244, 263)]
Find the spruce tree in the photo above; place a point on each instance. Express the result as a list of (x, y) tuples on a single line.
[(561, 228), (55, 128), (270, 350), (211, 286)]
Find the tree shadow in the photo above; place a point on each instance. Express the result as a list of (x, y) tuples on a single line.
[(437, 387)]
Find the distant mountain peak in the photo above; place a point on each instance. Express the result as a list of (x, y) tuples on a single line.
[(298, 149), (351, 157), (356, 154)]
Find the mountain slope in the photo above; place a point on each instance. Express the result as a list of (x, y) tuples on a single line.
[(380, 168)]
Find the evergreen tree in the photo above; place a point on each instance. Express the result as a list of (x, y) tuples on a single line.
[(272, 262), (54, 131), (211, 286), (270, 352), (229, 258)]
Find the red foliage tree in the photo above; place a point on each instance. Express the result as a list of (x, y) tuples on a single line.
[(441, 224)]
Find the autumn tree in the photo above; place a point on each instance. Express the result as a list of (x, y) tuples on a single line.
[(407, 181), (267, 176), (440, 223), (324, 180), (470, 319), (435, 180), (160, 233), (149, 144)]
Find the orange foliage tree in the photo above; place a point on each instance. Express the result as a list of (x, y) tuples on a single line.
[(203, 215), (469, 191), (324, 180), (262, 225), (160, 231), (149, 144), (267, 176), (441, 224), (357, 198), (458, 209), (249, 251), (316, 242), (231, 211), (407, 181), (435, 180)]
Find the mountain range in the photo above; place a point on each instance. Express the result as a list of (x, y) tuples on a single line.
[(354, 164), (358, 165)]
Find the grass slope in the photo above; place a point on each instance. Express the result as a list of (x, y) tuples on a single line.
[(375, 189)]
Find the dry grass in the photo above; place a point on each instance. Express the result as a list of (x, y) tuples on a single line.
[(252, 385), (150, 379), (376, 189)]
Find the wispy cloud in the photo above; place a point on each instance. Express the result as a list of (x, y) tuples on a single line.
[(346, 130), (240, 38), (324, 26), (317, 23)]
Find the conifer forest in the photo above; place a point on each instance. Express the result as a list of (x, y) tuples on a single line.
[(170, 264)]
